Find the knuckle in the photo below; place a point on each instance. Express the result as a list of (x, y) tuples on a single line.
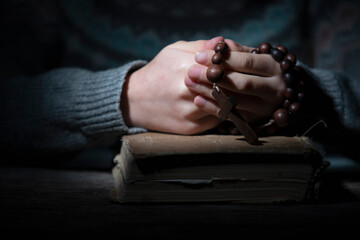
[(246, 61)]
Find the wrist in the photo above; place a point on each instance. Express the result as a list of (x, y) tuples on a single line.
[(129, 98), (124, 101)]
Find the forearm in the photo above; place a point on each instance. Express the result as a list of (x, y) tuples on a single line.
[(64, 110)]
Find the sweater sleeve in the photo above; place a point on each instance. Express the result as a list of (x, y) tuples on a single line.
[(343, 92), (64, 110)]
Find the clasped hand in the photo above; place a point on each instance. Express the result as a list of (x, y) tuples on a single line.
[(172, 94)]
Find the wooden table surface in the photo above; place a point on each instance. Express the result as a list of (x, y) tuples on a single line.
[(77, 200)]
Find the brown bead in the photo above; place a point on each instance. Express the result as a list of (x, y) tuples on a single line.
[(282, 48), (289, 79), (220, 47), (286, 103), (255, 51), (215, 73), (294, 107), (216, 58), (291, 58), (281, 117), (277, 54), (265, 47), (289, 93), (301, 96), (285, 65)]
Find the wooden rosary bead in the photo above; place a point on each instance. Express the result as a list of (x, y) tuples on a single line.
[(293, 94), (282, 48), (281, 117), (289, 93), (285, 65), (265, 48), (216, 58), (291, 58), (286, 103), (255, 51), (289, 79), (277, 54), (294, 107), (221, 47), (301, 96), (215, 73)]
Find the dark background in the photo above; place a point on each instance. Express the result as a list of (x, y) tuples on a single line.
[(70, 193)]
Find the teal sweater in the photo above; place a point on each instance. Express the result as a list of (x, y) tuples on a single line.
[(63, 63)]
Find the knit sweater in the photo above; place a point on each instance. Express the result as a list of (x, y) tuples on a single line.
[(64, 63), (64, 109)]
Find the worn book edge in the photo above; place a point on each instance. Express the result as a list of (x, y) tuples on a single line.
[(130, 151)]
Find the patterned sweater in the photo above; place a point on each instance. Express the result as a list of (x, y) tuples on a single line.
[(63, 63)]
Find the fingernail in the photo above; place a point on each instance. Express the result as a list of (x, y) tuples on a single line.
[(201, 57), (189, 82), (194, 72), (199, 101)]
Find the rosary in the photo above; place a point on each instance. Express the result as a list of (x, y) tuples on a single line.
[(293, 93)]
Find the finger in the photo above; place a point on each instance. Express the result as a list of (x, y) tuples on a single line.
[(262, 87), (233, 46), (197, 73), (208, 122), (251, 104), (245, 102), (211, 107), (258, 64), (207, 105), (205, 56), (198, 87), (249, 84)]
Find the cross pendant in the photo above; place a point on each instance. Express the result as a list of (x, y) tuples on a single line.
[(227, 110)]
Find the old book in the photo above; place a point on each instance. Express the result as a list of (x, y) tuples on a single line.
[(157, 167)]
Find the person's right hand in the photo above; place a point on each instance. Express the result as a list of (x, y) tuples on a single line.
[(255, 80), (156, 98)]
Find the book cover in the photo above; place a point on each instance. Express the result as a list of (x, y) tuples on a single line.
[(158, 167)]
